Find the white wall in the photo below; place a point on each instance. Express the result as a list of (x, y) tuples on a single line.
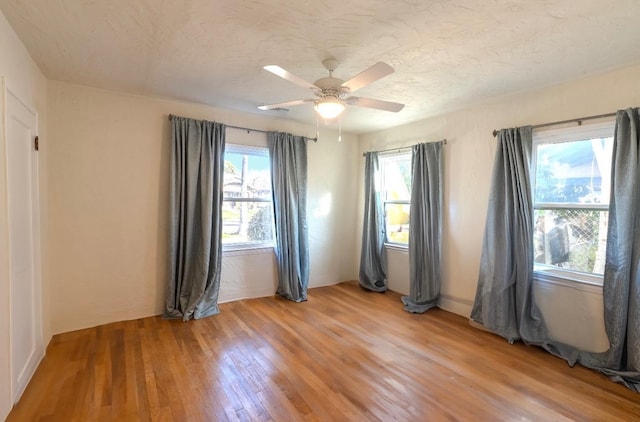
[(398, 269), (108, 210), (468, 161), (24, 78)]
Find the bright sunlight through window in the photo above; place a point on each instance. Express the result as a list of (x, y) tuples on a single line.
[(395, 170), (571, 198), (247, 212)]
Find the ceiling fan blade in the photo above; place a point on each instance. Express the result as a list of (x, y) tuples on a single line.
[(368, 76), (377, 104), (277, 70), (285, 104)]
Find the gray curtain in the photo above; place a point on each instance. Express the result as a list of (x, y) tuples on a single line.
[(288, 155), (622, 268), (373, 266), (195, 226), (504, 302), (425, 228)]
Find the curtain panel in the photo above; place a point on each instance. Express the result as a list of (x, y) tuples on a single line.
[(288, 155), (373, 265), (504, 297), (425, 228), (621, 285), (195, 220)]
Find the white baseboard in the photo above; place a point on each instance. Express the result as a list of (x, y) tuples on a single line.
[(29, 370), (456, 305)]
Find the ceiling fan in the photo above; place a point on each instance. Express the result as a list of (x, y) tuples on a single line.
[(333, 94)]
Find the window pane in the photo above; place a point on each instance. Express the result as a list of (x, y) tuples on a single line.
[(397, 222), (573, 239), (247, 222), (246, 175), (576, 172), (396, 177)]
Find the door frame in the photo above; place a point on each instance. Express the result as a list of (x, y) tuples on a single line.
[(6, 395)]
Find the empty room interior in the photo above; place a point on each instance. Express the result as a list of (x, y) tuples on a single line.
[(319, 210)]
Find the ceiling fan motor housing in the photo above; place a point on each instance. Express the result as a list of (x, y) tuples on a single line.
[(331, 87)]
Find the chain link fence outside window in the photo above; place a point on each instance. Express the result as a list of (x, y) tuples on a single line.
[(572, 239)]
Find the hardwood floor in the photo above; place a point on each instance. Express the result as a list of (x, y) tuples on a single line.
[(345, 355)]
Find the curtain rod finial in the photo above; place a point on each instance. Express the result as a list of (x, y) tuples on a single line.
[(495, 133)]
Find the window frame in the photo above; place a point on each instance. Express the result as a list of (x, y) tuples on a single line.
[(251, 150), (604, 129), (401, 152)]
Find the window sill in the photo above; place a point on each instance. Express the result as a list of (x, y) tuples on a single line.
[(579, 281), (237, 250), (397, 247)]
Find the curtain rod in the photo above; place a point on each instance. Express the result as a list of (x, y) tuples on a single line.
[(561, 122), (262, 131), (248, 129), (403, 148)]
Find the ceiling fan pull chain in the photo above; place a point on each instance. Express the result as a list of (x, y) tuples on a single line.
[(340, 129)]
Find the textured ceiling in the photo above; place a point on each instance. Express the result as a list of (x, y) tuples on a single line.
[(447, 54)]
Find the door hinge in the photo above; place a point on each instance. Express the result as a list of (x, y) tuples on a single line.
[(36, 144)]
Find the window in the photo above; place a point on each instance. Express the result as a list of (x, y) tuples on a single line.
[(395, 170), (571, 186), (247, 212)]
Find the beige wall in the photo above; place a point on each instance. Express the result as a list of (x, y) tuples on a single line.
[(468, 161), (108, 159), (24, 79), (108, 209)]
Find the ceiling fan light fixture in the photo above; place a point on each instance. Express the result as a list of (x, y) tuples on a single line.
[(329, 108)]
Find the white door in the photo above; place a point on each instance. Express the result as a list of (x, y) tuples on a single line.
[(24, 244)]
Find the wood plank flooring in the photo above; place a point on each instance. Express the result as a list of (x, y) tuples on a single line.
[(345, 355)]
